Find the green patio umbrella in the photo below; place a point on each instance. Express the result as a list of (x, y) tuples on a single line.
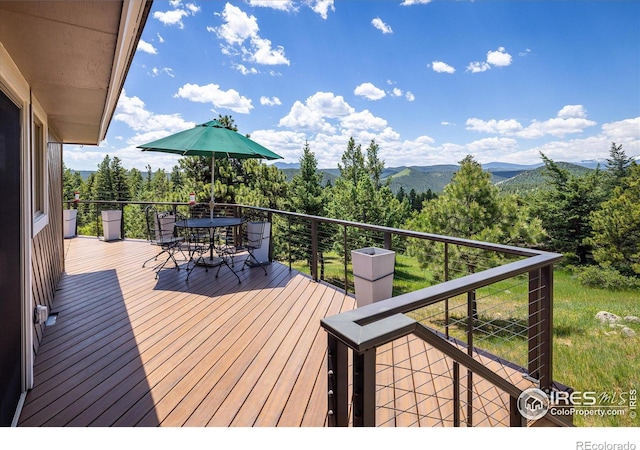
[(210, 139)]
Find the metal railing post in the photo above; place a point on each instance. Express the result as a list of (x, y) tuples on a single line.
[(338, 383), (364, 388), (471, 316), (270, 249), (515, 418), (546, 333), (456, 394), (387, 241), (446, 278), (289, 241), (314, 249), (534, 328), (121, 206), (346, 265)]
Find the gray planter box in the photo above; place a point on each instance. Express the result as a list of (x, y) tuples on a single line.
[(111, 220), (373, 270), (69, 216)]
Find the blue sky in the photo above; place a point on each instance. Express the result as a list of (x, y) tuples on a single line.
[(430, 81)]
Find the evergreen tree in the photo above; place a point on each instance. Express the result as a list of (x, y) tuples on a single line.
[(471, 207), (616, 226), (357, 197), (565, 209), (262, 185), (307, 197), (306, 189), (375, 165), (121, 190), (618, 167), (401, 195), (103, 186), (72, 182)]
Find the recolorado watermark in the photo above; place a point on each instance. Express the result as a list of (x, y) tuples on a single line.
[(588, 445), (534, 403)]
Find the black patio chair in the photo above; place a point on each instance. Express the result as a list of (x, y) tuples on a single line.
[(161, 231), (252, 242)]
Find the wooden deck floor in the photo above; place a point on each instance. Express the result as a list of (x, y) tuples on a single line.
[(132, 350)]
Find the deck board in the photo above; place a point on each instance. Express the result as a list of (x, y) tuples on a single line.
[(132, 350)]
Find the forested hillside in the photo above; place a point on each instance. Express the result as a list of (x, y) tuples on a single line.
[(591, 216)]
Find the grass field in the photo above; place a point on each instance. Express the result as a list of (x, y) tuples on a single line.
[(587, 355)]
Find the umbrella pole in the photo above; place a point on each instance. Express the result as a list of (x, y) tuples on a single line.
[(213, 195)]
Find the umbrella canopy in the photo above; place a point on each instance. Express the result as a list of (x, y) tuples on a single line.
[(210, 139)]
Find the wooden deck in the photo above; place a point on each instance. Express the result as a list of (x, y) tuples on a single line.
[(128, 349)]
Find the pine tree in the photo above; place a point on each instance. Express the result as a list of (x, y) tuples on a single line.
[(616, 227), (565, 207), (471, 207), (618, 167)]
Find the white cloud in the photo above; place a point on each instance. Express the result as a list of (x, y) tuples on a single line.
[(329, 105), (193, 8), (270, 101), (498, 58), (493, 146), (380, 25), (211, 93), (414, 2), (510, 126), (477, 67), (623, 130), (556, 127), (409, 96), (244, 70), (165, 70), (237, 27), (572, 111), (314, 114), (302, 116), (171, 17), (363, 120), (441, 67), (147, 47), (570, 120), (266, 55), (240, 34), (132, 111), (369, 91), (321, 7), (160, 38), (175, 16), (396, 92), (281, 5)]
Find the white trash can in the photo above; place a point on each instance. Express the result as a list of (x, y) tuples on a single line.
[(69, 216), (111, 219), (254, 237), (373, 270)]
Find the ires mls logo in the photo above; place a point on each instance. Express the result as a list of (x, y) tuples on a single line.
[(533, 403)]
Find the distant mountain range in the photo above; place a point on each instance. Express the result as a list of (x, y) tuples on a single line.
[(510, 177)]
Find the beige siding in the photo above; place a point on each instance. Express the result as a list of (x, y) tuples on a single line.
[(47, 247)]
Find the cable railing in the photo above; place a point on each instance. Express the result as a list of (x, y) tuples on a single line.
[(482, 312)]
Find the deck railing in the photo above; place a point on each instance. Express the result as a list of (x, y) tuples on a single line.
[(469, 300)]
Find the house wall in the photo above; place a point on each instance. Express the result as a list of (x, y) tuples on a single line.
[(47, 247), (39, 256)]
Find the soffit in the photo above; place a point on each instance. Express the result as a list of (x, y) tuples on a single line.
[(66, 50)]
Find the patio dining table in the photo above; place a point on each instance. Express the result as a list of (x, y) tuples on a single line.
[(210, 223)]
